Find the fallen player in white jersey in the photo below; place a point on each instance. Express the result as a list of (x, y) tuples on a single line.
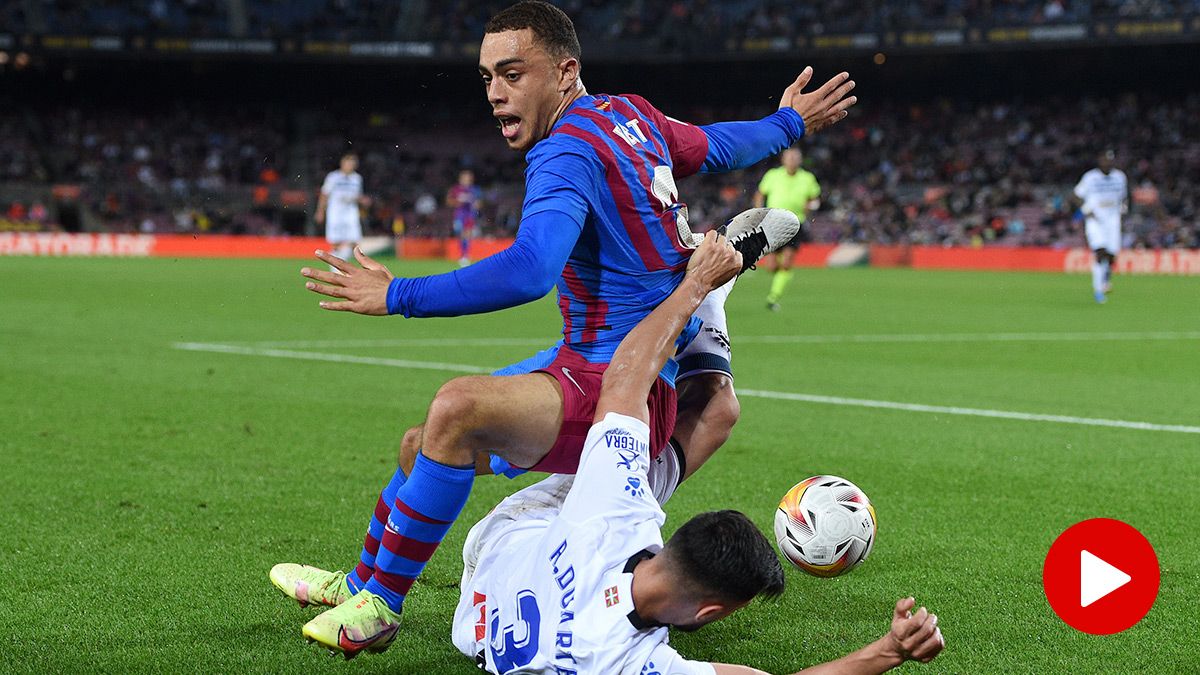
[(570, 575)]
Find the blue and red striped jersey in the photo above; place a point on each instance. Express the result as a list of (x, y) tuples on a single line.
[(615, 157)]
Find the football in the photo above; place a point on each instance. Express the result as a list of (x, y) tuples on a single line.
[(825, 526)]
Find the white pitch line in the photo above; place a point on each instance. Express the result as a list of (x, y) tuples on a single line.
[(410, 342), (779, 395), (971, 337), (759, 339), (973, 412), (334, 358)]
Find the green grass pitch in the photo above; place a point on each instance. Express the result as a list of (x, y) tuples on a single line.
[(147, 490)]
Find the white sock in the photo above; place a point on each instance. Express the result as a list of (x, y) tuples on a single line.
[(714, 335), (1098, 277), (344, 251)]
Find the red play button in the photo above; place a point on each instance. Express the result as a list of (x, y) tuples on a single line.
[(1101, 576)]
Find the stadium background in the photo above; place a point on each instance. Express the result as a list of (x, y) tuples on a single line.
[(173, 427), (212, 117)]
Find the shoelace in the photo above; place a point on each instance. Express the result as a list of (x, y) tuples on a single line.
[(751, 245)]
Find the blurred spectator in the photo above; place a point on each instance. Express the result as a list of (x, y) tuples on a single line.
[(946, 171), (660, 23)]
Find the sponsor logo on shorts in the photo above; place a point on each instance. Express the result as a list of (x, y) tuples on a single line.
[(572, 379)]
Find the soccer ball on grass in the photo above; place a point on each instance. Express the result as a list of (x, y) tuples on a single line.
[(825, 526)]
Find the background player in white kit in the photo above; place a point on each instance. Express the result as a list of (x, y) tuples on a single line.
[(337, 207), (571, 574), (1104, 193)]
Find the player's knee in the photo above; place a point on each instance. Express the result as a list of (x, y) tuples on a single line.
[(410, 445), (725, 409), (711, 395), (455, 403)]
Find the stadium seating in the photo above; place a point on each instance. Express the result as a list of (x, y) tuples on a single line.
[(939, 172)]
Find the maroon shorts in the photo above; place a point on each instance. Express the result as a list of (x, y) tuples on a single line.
[(580, 382)]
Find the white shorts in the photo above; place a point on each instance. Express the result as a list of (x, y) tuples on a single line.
[(342, 230), (1104, 235)]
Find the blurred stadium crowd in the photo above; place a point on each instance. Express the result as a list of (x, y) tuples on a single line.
[(462, 20), (945, 171)]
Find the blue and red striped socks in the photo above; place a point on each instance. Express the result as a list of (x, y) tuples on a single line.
[(426, 506), (359, 576)]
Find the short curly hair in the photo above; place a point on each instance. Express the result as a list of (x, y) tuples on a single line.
[(552, 28)]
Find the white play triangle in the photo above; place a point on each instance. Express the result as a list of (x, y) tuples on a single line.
[(1097, 578)]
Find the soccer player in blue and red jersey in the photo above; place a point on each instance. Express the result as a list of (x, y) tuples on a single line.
[(601, 217), (464, 198)]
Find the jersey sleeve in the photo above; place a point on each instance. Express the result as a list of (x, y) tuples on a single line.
[(327, 186), (664, 660), (687, 144), (612, 481), (1081, 188), (816, 189)]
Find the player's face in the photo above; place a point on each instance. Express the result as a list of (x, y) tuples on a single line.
[(349, 164), (1106, 162), (525, 86), (791, 159), (466, 178)]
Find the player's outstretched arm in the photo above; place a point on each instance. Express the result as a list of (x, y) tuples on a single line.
[(642, 352), (738, 145), (519, 274), (914, 636)]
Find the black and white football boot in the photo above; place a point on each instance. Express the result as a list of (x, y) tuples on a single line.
[(757, 232)]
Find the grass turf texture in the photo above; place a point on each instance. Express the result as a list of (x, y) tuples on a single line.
[(148, 490)]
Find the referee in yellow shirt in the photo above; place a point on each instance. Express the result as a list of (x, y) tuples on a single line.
[(787, 187)]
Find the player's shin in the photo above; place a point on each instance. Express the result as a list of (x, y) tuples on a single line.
[(1098, 277), (383, 509), (425, 507), (779, 282)]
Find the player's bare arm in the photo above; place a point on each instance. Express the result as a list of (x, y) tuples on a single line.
[(646, 348), (362, 290), (322, 204), (914, 636), (823, 107)]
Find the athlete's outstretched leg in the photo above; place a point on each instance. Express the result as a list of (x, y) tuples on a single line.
[(516, 416), (365, 568), (708, 407), (708, 410)]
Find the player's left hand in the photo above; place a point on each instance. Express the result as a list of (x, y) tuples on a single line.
[(363, 290), (714, 261), (821, 108)]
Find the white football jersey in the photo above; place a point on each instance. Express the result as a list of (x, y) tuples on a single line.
[(343, 191), (1103, 194), (547, 577)]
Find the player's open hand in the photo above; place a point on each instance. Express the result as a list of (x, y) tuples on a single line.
[(823, 107), (714, 261), (915, 636), (363, 290)]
